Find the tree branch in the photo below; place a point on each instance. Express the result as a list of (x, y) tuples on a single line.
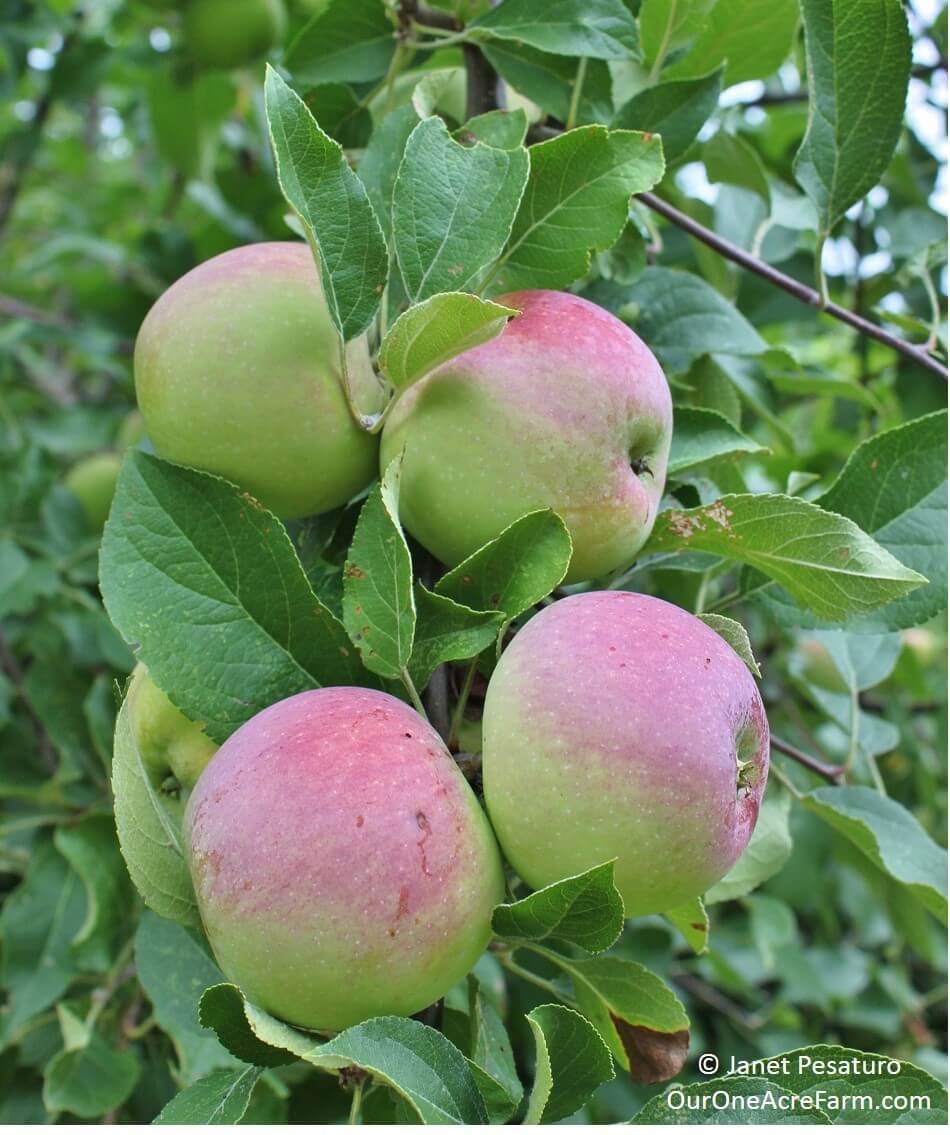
[(794, 287), (481, 82), (832, 773)]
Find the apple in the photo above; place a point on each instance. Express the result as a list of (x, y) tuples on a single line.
[(342, 865), (617, 726), (168, 742), (237, 372), (566, 409), (224, 34), (93, 482)]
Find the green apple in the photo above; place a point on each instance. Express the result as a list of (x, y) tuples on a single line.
[(567, 409), (238, 372), (619, 727), (225, 34), (168, 742), (93, 481), (342, 865)]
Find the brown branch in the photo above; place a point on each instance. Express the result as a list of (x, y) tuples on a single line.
[(832, 773), (481, 82), (794, 287)]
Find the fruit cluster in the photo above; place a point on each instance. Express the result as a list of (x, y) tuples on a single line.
[(343, 866)]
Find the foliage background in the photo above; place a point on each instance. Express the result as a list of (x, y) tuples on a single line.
[(105, 199)]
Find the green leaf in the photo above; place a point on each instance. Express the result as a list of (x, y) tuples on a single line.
[(812, 1074), (753, 39), (858, 67), (220, 1097), (576, 201), (186, 113), (193, 601), (39, 922), (340, 113), (174, 971), (596, 29), (666, 26), (248, 1033), (381, 161), (453, 207), (730, 159), (737, 636), (681, 317), (420, 1064), (504, 129), (492, 1056), (91, 1080), (448, 632), (701, 436), (692, 922), (379, 610), (91, 849), (827, 563), (548, 80), (639, 1017), (223, 1009), (585, 910), (424, 1067), (350, 41), (571, 1063), (515, 570), (769, 1106), (676, 111), (766, 854), (890, 837), (894, 486), (437, 330), (148, 821), (333, 207)]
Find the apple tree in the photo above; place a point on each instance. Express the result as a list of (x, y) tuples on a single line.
[(473, 555)]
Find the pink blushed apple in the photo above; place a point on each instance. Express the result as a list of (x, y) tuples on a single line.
[(342, 865), (567, 409), (618, 726), (237, 372)]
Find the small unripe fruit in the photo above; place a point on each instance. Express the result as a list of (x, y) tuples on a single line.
[(567, 409), (342, 864), (618, 726), (168, 742), (237, 372), (93, 482), (224, 34)]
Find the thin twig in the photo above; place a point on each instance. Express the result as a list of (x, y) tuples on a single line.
[(481, 82), (794, 287), (759, 267), (831, 773)]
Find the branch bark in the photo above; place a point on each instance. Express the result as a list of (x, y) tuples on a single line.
[(832, 773), (794, 287)]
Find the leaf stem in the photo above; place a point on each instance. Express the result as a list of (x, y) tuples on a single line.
[(507, 960), (414, 694), (458, 714), (820, 280), (576, 93), (354, 1116)]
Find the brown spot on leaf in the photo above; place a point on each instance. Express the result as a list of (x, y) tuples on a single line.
[(353, 571), (655, 1057)]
